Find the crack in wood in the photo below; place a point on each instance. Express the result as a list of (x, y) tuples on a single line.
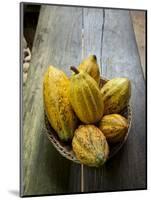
[(82, 34), (82, 37), (82, 178), (102, 34)]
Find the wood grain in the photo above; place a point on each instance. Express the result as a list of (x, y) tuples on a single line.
[(92, 32), (127, 170), (57, 42)]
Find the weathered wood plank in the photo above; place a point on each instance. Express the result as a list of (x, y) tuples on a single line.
[(92, 32), (57, 42), (127, 170), (91, 44)]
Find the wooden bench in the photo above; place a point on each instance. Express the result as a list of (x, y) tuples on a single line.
[(63, 37)]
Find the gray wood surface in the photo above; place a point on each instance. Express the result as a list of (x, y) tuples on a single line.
[(127, 170), (57, 42), (64, 36), (92, 32)]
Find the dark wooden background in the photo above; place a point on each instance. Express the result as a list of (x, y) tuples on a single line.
[(64, 36)]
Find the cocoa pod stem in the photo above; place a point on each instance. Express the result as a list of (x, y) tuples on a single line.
[(74, 69)]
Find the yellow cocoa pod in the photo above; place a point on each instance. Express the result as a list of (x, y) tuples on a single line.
[(114, 127), (57, 105), (85, 97), (91, 66), (90, 146), (116, 94)]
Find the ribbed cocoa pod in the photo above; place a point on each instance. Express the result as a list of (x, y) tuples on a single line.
[(90, 146), (57, 105), (114, 127), (91, 66), (85, 97), (116, 94)]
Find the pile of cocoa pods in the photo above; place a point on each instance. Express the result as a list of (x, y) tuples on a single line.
[(84, 113)]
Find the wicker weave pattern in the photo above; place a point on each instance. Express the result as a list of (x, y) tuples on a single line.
[(65, 149)]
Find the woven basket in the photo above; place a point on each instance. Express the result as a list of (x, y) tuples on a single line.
[(65, 149)]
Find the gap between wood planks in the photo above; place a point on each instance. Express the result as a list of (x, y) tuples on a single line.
[(82, 37), (102, 38)]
